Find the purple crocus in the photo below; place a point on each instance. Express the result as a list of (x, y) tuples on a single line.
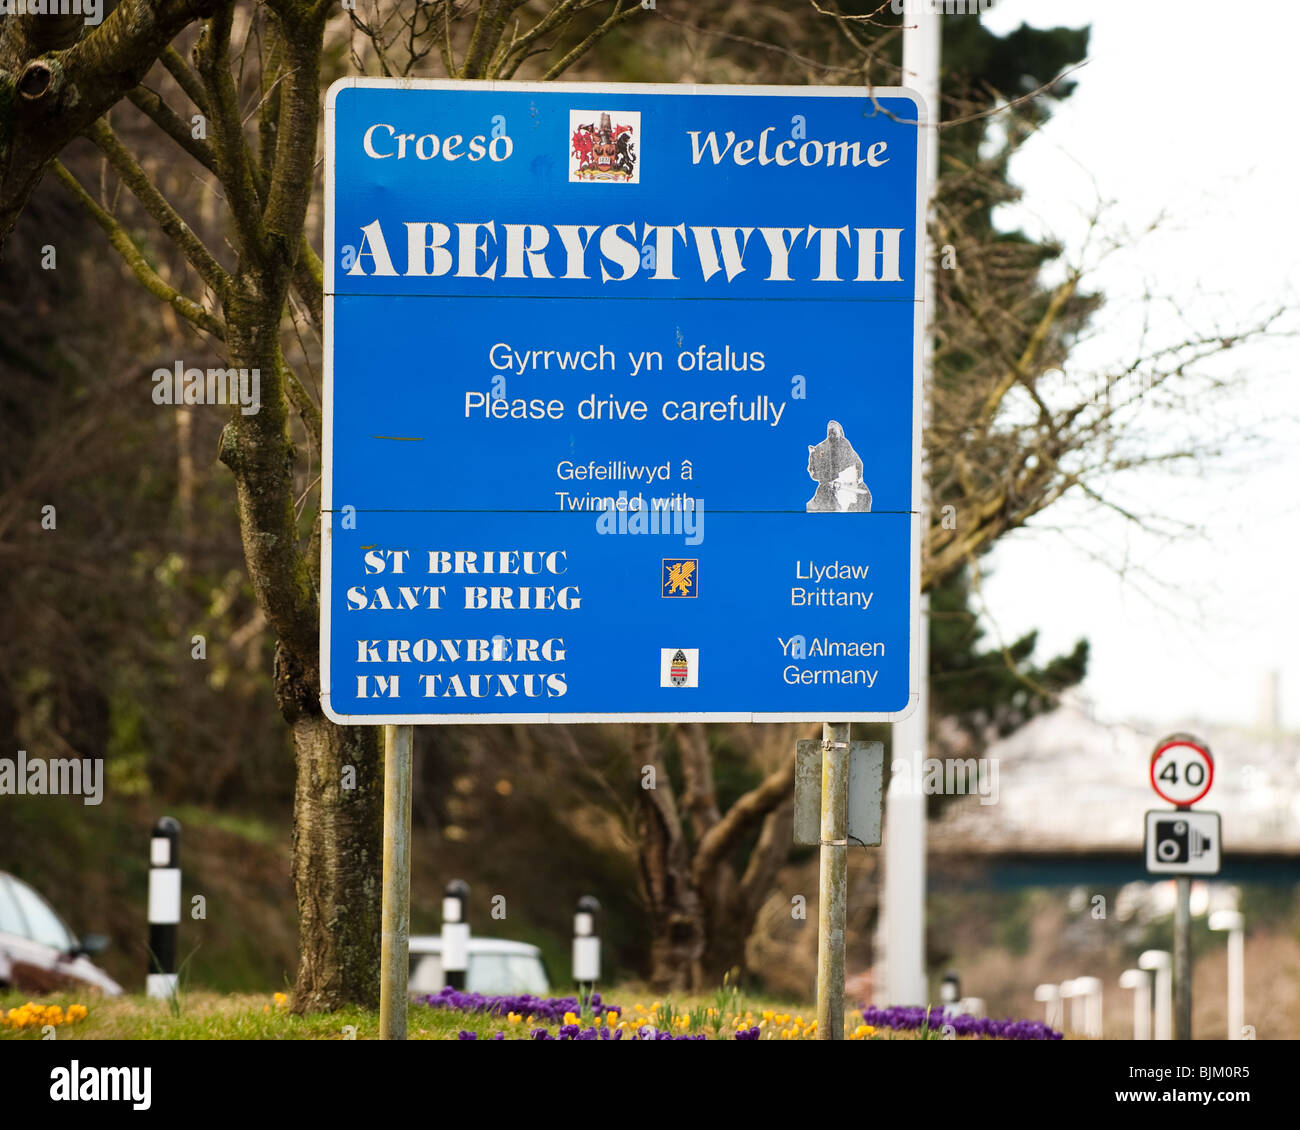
[(910, 1019)]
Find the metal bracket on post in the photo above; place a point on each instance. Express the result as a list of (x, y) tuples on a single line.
[(866, 791)]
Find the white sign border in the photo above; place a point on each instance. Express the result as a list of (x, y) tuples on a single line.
[(595, 89)]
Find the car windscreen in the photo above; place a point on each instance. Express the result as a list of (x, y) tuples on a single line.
[(11, 919), (43, 925), (499, 973)]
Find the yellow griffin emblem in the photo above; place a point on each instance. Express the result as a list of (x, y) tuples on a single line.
[(679, 577)]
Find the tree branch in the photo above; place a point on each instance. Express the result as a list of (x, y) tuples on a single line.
[(150, 103), (45, 102), (616, 17), (176, 229), (756, 803), (235, 169), (187, 308)]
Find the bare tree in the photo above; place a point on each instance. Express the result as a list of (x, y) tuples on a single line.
[(245, 110), (702, 906)]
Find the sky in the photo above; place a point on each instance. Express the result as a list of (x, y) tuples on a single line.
[(1184, 111)]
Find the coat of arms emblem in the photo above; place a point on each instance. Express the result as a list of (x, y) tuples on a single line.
[(603, 145), (679, 666)]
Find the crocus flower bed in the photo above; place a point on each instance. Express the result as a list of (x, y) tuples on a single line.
[(599, 1020), (550, 1009), (907, 1019), (567, 1018), (576, 1032)]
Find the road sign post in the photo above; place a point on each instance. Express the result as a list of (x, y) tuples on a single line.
[(1182, 843), (1183, 960), (833, 881), (395, 904), (621, 409), (838, 801)]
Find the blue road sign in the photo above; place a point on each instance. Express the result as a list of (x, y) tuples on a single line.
[(622, 403)]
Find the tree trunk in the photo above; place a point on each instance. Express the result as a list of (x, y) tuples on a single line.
[(677, 950), (676, 913), (337, 848), (732, 914), (701, 913), (338, 800)]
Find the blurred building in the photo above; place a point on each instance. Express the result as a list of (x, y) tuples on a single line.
[(1071, 782)]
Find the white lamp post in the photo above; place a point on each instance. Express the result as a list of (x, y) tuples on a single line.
[(1232, 921), (1161, 963), (1139, 980)]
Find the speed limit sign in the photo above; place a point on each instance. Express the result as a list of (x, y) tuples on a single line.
[(1182, 770)]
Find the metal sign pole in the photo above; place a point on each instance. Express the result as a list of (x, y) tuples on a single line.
[(1183, 960), (834, 881), (395, 915)]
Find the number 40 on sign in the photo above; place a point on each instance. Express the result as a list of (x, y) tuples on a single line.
[(1182, 770)]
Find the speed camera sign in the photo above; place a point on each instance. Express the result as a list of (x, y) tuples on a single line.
[(1183, 843), (1182, 770)]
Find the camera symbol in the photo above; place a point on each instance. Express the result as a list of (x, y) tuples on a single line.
[(1177, 843)]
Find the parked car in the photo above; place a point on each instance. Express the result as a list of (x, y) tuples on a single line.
[(38, 953), (496, 967)]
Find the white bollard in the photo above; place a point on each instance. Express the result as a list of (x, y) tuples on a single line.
[(586, 944), (1235, 924), (1089, 990), (950, 992), (1161, 963), (1070, 993), (1139, 980), (164, 907), (1050, 995), (455, 934)]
